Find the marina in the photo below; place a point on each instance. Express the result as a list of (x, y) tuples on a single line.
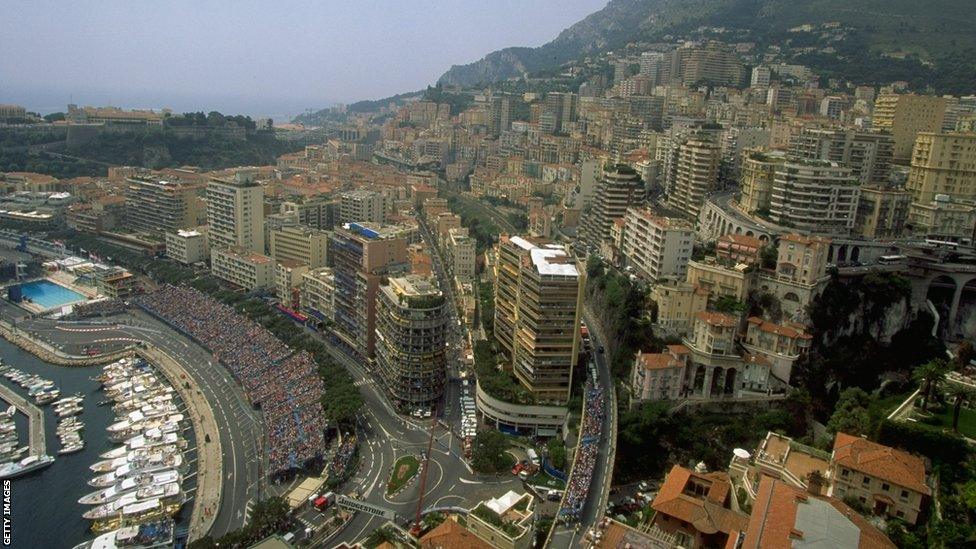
[(37, 441)]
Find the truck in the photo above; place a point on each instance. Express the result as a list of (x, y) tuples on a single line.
[(324, 501), (533, 456)]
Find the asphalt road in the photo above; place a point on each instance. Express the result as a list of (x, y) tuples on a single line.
[(239, 426)]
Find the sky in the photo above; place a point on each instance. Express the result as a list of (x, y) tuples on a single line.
[(273, 58)]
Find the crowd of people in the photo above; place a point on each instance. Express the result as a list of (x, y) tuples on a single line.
[(578, 486), (342, 458), (100, 307), (286, 386)]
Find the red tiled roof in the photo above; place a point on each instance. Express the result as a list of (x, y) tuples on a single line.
[(706, 514), (451, 535), (658, 361), (778, 329), (880, 461), (717, 319)]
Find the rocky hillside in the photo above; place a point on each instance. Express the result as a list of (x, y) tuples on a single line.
[(924, 42)]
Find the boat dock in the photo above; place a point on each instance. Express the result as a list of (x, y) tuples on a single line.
[(35, 419)]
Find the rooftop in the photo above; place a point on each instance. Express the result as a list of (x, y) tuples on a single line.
[(880, 461), (717, 319), (549, 259)]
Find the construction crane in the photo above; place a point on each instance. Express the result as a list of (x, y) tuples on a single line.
[(416, 527)]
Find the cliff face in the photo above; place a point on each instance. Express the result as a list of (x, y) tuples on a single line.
[(931, 30)]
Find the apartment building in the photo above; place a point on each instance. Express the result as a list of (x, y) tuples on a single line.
[(158, 205), (867, 154), (316, 212), (659, 376), (300, 243), (882, 212), (362, 206), (461, 250), (445, 222), (188, 246), (538, 304), (800, 275), (656, 246), (720, 279), (943, 163), (738, 248), (943, 219), (289, 274), (889, 481), (814, 195), (235, 213), (618, 189), (360, 255), (677, 303), (780, 344), (904, 116), (317, 297), (756, 180), (697, 508), (411, 333), (506, 522), (696, 174), (242, 267)]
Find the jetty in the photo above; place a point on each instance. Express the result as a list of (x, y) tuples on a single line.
[(35, 419)]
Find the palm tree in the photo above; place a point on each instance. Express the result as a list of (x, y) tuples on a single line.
[(930, 375), (959, 393)]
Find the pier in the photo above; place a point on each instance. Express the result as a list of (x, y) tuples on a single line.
[(35, 419)]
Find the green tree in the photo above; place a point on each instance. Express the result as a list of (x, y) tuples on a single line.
[(851, 413), (557, 452), (488, 452), (959, 394), (930, 375)]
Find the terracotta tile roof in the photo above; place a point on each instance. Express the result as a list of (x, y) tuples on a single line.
[(706, 513), (678, 349), (803, 239), (742, 240), (773, 523), (451, 535), (784, 330), (717, 319), (658, 361), (880, 461)]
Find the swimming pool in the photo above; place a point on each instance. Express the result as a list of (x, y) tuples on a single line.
[(50, 295)]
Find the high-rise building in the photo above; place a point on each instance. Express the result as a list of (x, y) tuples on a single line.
[(617, 189), (760, 77), (904, 116), (461, 249), (318, 294), (242, 267), (943, 163), (300, 243), (360, 254), (316, 212), (235, 213), (158, 205), (188, 246), (499, 113), (563, 108), (756, 180), (695, 175), (538, 305), (362, 206), (867, 154), (814, 195), (713, 63), (882, 212), (411, 333), (657, 246), (288, 274)]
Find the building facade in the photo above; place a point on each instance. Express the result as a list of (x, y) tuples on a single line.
[(657, 246), (188, 246), (300, 243), (235, 213), (243, 268)]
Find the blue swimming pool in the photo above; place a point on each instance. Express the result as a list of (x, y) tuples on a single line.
[(50, 295)]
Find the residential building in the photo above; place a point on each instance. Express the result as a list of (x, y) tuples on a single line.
[(445, 222), (760, 77), (943, 163), (412, 324), (188, 246), (157, 205), (659, 376), (695, 176), (783, 515), (289, 274), (318, 294), (116, 283), (889, 481), (656, 246), (317, 212), (362, 206), (738, 248), (360, 255), (943, 219), (449, 535), (816, 196), (300, 243), (719, 279), (904, 116), (102, 214), (882, 212), (538, 304), (235, 213), (712, 63), (800, 275), (506, 522), (618, 189), (697, 508), (242, 267), (756, 180), (780, 344), (867, 154), (461, 251), (676, 303)]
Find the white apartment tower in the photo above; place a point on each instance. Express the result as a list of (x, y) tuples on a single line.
[(235, 213)]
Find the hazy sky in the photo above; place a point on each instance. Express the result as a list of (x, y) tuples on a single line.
[(268, 58)]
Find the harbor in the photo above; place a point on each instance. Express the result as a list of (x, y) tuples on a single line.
[(37, 439)]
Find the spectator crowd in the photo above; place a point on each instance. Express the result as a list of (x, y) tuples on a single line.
[(286, 386), (578, 486)]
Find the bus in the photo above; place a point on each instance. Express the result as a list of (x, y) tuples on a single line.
[(891, 259)]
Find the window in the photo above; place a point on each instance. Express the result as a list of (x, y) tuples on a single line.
[(904, 494), (900, 514), (885, 487), (844, 472), (866, 480)]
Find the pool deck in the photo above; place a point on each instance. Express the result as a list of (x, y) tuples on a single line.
[(66, 282)]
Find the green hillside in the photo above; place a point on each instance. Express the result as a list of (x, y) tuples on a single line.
[(926, 43)]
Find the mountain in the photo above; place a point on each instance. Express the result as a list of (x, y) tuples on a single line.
[(913, 40)]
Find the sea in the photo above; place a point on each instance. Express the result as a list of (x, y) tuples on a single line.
[(45, 512)]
